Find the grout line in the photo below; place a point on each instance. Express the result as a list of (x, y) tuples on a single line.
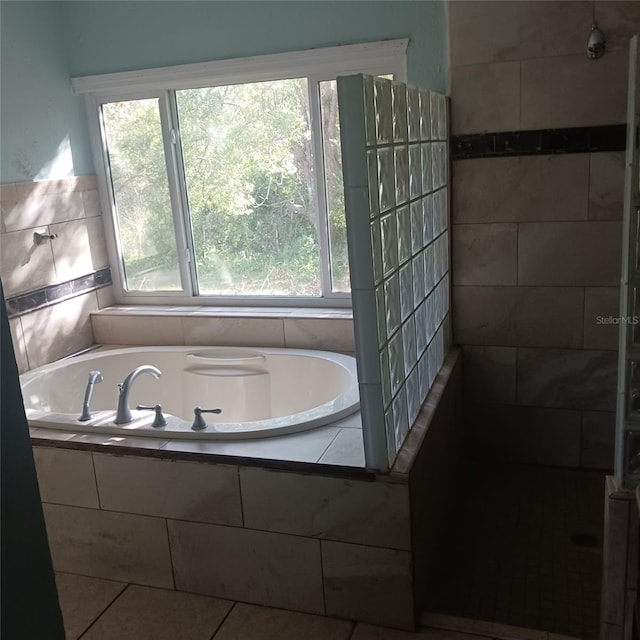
[(240, 496), (82, 635), (95, 479), (353, 630), (324, 595), (173, 573), (224, 619), (330, 444)]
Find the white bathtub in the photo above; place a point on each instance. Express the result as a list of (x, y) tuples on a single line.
[(261, 392)]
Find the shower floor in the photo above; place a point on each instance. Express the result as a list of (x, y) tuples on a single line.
[(526, 549)]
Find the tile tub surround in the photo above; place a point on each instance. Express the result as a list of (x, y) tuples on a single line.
[(173, 511)]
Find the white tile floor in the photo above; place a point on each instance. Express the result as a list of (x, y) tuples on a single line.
[(97, 609)]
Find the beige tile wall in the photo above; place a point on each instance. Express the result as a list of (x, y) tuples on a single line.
[(69, 208), (536, 239)]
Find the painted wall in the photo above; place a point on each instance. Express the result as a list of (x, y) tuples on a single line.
[(42, 125)]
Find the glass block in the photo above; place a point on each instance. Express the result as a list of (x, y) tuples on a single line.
[(385, 377), (392, 303), (406, 291), (389, 243), (416, 227), (369, 110), (376, 250), (414, 398), (429, 273), (400, 127), (396, 362), (439, 201), (372, 166), (386, 179), (427, 170), (445, 163), (442, 117), (430, 316), (423, 375), (384, 110), (409, 345), (445, 252), (439, 342), (422, 329), (436, 260), (419, 289), (415, 171), (402, 174), (425, 115), (381, 314), (631, 458), (404, 234), (435, 165), (400, 417), (427, 220), (413, 111), (433, 368), (434, 105), (446, 294)]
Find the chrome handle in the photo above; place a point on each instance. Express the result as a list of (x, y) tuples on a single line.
[(39, 238), (199, 422), (159, 420)]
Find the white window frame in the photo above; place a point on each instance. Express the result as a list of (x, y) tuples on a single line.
[(316, 65)]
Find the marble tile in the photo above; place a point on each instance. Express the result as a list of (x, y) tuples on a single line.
[(41, 210), (8, 193), (497, 31), (558, 92), (606, 185), (369, 632), (619, 21), (306, 446), (19, 345), (346, 450), (373, 513), (598, 435), (264, 623), (145, 612), (518, 316), (330, 335), (25, 265), (354, 421), (84, 183), (106, 297), (43, 187), (138, 330), (485, 98), (485, 254), (91, 203), (249, 332), (593, 258), (66, 477), (368, 584), (169, 489), (489, 374), (482, 627), (520, 189), (83, 599), (110, 545), (59, 330), (601, 311), (568, 379), (240, 564)]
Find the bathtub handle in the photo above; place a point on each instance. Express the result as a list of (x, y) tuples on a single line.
[(159, 420), (199, 422)]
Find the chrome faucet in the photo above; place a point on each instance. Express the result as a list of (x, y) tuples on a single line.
[(123, 414), (94, 378)]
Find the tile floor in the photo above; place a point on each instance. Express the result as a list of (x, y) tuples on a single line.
[(97, 609), (514, 557)]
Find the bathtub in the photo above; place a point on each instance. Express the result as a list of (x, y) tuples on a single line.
[(261, 392)]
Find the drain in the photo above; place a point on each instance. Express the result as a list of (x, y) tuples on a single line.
[(584, 540)]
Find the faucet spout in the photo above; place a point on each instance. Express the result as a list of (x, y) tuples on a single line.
[(123, 414), (94, 378)]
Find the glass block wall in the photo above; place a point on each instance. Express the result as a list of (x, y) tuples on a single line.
[(395, 165)]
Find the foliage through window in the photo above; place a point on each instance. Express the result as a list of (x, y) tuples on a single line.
[(230, 189)]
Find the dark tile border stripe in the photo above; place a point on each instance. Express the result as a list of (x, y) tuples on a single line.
[(542, 141), (24, 302)]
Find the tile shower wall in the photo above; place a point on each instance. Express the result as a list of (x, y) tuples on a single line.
[(395, 158), (70, 209), (536, 239)]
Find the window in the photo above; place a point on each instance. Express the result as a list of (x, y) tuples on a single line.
[(224, 179)]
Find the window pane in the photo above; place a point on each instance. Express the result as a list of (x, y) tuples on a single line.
[(141, 191), (334, 186), (250, 184)]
